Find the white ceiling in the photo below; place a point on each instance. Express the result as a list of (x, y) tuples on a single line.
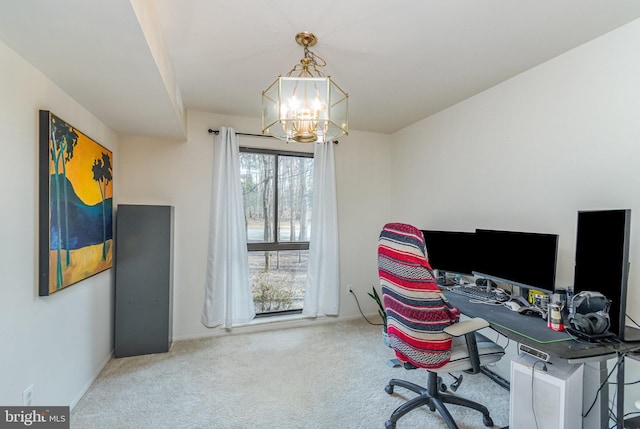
[(400, 61)]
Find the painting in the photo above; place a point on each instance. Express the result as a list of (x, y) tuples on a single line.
[(76, 200)]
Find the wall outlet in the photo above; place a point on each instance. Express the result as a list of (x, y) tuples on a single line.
[(27, 396), (350, 288)]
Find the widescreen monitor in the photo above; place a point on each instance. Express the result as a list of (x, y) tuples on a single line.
[(602, 262), (523, 259), (450, 252)]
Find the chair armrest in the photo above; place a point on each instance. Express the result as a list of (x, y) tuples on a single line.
[(468, 328), (462, 328)]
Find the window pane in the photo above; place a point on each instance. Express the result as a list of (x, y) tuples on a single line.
[(257, 177), (278, 279), (295, 175)]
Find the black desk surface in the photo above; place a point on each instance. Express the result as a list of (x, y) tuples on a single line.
[(533, 331)]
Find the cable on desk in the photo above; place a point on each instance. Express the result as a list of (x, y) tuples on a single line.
[(479, 301), (577, 339), (603, 342)]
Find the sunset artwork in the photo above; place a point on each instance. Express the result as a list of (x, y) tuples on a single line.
[(76, 194)]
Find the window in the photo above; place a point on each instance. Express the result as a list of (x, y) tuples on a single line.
[(277, 187)]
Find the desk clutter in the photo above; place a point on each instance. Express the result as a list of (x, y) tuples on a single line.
[(481, 293), (584, 315)]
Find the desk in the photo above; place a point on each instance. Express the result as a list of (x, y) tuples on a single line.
[(533, 331)]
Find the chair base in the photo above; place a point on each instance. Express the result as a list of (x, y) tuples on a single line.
[(432, 397)]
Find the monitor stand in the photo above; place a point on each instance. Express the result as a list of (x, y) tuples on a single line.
[(443, 280), (516, 295)]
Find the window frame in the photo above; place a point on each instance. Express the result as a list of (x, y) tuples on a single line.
[(277, 245)]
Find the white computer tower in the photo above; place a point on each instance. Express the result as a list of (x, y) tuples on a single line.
[(554, 395)]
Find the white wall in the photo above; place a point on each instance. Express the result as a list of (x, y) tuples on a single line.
[(57, 343), (532, 151), (179, 174)]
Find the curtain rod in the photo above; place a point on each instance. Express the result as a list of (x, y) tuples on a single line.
[(243, 134), (216, 132)]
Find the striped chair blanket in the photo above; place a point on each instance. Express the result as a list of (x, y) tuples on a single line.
[(417, 312)]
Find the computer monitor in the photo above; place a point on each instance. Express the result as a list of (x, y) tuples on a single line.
[(450, 252), (522, 259), (602, 262)]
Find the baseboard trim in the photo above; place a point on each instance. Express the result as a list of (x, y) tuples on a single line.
[(88, 385), (268, 324)]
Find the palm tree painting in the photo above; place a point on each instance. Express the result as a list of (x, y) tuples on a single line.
[(76, 211)]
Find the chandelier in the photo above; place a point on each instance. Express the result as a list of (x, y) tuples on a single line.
[(306, 108)]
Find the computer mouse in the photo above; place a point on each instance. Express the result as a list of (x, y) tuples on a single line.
[(512, 305)]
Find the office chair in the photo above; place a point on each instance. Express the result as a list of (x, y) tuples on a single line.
[(423, 328)]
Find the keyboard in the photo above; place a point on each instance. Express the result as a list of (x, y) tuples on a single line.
[(480, 293)]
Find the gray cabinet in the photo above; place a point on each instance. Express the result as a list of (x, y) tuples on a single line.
[(144, 279)]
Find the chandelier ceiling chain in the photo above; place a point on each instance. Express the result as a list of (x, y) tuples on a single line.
[(310, 60), (309, 107)]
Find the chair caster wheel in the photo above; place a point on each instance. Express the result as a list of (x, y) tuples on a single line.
[(389, 389), (389, 425), (488, 421)]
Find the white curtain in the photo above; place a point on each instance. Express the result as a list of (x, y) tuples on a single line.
[(322, 295), (228, 300)]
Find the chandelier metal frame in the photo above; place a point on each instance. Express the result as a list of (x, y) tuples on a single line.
[(308, 107)]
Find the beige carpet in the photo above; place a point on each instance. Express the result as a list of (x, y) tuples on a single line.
[(330, 375)]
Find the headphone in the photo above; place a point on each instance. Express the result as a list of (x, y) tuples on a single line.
[(592, 323), (591, 313)]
